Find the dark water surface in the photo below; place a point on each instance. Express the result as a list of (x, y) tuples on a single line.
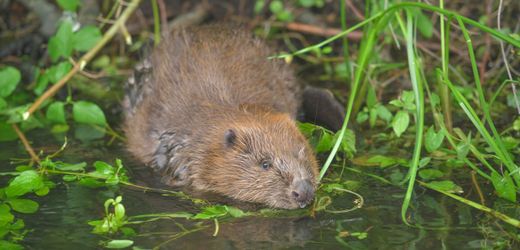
[(61, 222)]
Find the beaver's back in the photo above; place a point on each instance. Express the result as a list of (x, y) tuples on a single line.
[(221, 66)]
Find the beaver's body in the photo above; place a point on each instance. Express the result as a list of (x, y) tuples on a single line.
[(210, 110)]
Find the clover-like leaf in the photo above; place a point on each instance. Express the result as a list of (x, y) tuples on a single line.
[(9, 79)]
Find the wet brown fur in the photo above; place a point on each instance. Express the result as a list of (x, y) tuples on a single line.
[(205, 82)]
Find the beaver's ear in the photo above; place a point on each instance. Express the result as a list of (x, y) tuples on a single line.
[(230, 137)]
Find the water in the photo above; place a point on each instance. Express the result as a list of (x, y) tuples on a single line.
[(61, 222)]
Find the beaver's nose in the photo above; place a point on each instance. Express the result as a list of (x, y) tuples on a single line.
[(303, 192)]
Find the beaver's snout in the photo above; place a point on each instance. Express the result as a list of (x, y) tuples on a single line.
[(303, 192)]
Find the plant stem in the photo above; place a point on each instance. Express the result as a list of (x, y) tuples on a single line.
[(419, 113), (26, 144), (496, 141), (84, 59), (443, 88), (156, 23), (501, 216)]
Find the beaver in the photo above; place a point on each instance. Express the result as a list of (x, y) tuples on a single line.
[(208, 110)]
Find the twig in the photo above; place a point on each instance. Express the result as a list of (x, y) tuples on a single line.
[(84, 60), (26, 144), (356, 12), (477, 187), (311, 29)]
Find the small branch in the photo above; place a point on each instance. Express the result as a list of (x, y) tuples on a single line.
[(356, 12), (26, 144), (85, 59), (311, 29), (477, 187)]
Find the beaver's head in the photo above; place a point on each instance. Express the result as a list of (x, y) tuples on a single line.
[(262, 159)]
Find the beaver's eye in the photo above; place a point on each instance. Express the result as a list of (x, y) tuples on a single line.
[(265, 164)]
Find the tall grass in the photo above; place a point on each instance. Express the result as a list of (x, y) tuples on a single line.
[(414, 69), (378, 23)]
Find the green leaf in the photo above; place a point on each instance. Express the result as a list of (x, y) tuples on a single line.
[(7, 132), (42, 191), (326, 50), (276, 6), (18, 224), (397, 103), (71, 167), (91, 183), (423, 162), (463, 149), (306, 3), (3, 104), (41, 84), (117, 244), (383, 113), (56, 112), (5, 215), (61, 43), (69, 178), (424, 25), (259, 6), (435, 99), (211, 212), (408, 100), (429, 174), (447, 186), (59, 128), (400, 122), (307, 129), (129, 232), (385, 161), (70, 5), (284, 16), (10, 245), (56, 72), (112, 180), (373, 117), (9, 79), (371, 97), (86, 38), (432, 140), (504, 186), (102, 62), (235, 212), (348, 143), (119, 211), (361, 117), (87, 133), (26, 182), (25, 206), (325, 142), (88, 113), (104, 168)]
